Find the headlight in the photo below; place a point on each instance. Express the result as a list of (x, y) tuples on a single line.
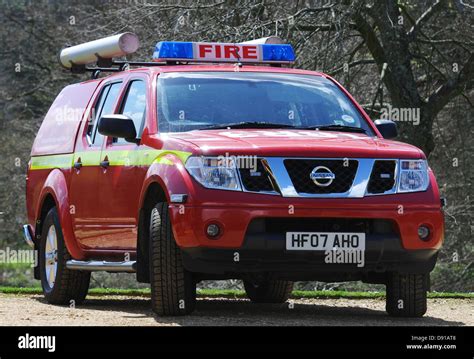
[(413, 176), (213, 172)]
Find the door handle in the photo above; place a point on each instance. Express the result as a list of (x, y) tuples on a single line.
[(78, 164), (105, 163)]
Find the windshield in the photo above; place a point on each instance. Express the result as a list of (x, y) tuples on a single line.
[(198, 100)]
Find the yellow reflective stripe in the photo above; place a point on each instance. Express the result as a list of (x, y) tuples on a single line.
[(124, 158), (144, 157), (164, 161), (88, 158), (52, 161), (183, 156)]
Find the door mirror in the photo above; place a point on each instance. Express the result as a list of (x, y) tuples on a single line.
[(387, 128), (120, 126)]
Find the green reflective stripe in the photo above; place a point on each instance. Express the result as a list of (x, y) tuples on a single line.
[(52, 161), (143, 157)]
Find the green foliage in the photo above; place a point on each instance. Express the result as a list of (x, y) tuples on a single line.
[(232, 293)]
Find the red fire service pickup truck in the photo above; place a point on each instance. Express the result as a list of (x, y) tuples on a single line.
[(217, 161)]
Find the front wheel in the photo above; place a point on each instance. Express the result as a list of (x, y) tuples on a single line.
[(173, 289), (406, 294), (60, 285), (268, 291)]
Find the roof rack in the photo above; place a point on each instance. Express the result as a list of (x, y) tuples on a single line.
[(112, 66), (81, 58)]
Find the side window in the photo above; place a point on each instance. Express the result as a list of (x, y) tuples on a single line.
[(105, 106), (96, 113), (134, 106)]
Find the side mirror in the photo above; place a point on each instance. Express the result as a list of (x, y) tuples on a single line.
[(387, 128), (120, 126)]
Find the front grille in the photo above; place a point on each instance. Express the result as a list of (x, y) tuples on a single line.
[(382, 178), (256, 181), (299, 171)]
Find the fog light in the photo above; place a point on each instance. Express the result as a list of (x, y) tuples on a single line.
[(213, 230), (423, 233)]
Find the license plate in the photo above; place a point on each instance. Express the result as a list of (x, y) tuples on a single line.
[(323, 241)]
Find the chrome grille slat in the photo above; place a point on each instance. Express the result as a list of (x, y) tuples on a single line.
[(359, 189), (377, 183), (257, 181), (299, 169)]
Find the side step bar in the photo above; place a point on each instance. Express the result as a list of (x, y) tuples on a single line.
[(127, 267), (27, 236)]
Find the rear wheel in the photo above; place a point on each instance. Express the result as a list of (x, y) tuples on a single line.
[(268, 291), (60, 285), (406, 294), (173, 289)]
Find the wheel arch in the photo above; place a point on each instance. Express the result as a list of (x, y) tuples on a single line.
[(47, 203), (165, 176), (55, 194), (155, 192)]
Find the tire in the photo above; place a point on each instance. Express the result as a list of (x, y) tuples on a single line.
[(66, 285), (173, 288), (269, 291), (406, 294)]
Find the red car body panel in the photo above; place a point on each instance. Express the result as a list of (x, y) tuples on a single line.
[(57, 133), (297, 143), (107, 202)]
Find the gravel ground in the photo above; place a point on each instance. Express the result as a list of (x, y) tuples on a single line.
[(128, 311)]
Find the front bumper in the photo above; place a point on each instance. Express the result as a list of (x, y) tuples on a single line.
[(383, 254), (391, 227), (190, 221)]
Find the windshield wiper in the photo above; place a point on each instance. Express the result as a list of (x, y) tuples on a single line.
[(336, 128), (247, 124)]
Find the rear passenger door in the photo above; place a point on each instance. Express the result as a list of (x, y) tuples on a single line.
[(84, 187), (121, 181)]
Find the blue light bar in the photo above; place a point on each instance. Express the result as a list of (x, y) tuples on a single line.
[(223, 52), (278, 53), (173, 50)]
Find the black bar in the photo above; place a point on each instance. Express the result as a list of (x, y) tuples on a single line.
[(74, 340)]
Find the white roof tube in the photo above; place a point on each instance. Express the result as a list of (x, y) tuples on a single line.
[(106, 48), (275, 40)]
